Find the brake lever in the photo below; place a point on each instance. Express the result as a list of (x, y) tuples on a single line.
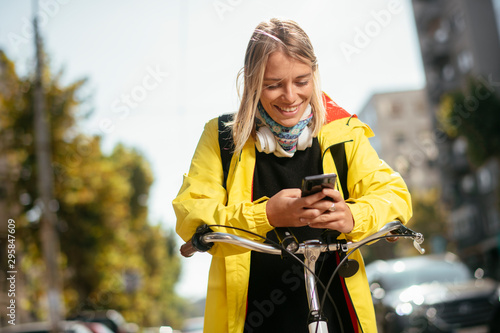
[(419, 239)]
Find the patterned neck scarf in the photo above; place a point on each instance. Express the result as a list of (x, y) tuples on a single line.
[(287, 137)]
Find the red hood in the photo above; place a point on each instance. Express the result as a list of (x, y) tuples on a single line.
[(333, 111)]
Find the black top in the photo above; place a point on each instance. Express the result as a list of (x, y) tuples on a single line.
[(277, 300)]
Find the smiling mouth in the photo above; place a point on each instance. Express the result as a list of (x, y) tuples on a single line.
[(288, 109)]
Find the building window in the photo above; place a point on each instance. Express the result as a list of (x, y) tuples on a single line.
[(493, 220), (442, 34), (448, 72), (421, 107), (439, 30), (459, 22), (396, 109), (468, 184), (465, 61), (459, 146), (485, 180), (400, 138)]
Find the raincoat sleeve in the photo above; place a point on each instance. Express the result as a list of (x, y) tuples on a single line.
[(377, 194), (202, 198)]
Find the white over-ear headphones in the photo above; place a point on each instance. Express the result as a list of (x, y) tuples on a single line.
[(266, 142)]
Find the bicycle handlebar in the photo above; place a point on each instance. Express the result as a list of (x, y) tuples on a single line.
[(204, 238)]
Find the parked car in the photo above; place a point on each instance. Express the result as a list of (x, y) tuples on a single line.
[(97, 327), (112, 319), (431, 293), (44, 327), (159, 329)]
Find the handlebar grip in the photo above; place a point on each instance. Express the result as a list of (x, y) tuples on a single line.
[(188, 249), (196, 244)]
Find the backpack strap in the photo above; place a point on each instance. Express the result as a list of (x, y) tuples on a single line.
[(226, 153), (225, 145), (340, 160)]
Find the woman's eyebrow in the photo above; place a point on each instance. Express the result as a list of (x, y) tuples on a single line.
[(303, 76), (298, 77)]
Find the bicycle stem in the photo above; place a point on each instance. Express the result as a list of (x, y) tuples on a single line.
[(311, 254), (312, 251)]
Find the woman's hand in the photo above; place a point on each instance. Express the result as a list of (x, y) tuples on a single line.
[(335, 215), (288, 209)]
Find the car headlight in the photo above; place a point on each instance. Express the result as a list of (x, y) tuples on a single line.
[(404, 309), (412, 294), (431, 313)]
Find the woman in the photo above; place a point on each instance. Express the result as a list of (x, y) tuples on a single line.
[(286, 129)]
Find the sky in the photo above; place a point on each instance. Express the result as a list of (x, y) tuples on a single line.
[(158, 70)]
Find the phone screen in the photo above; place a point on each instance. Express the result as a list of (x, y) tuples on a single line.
[(314, 184)]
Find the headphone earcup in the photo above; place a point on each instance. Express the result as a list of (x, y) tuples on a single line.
[(266, 142), (305, 139)]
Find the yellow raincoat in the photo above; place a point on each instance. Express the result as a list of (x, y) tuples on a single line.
[(377, 195)]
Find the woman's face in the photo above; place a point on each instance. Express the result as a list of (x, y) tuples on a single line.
[(287, 89)]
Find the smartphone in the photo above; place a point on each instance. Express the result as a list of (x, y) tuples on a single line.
[(314, 184)]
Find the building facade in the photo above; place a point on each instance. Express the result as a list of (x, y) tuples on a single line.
[(403, 129), (459, 40)]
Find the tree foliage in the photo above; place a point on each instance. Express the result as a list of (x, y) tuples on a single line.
[(429, 219), (473, 114), (111, 257)]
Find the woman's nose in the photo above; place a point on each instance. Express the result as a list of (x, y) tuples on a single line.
[(289, 95)]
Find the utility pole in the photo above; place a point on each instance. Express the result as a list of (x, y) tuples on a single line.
[(48, 220)]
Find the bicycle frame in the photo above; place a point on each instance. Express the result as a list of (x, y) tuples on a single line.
[(204, 238)]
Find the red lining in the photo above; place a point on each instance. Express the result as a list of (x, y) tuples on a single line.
[(350, 306), (333, 111)]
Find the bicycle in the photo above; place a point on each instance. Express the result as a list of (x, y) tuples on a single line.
[(204, 238)]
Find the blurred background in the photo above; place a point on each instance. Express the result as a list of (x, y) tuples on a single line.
[(128, 86)]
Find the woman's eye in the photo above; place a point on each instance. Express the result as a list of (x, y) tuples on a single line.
[(278, 85)]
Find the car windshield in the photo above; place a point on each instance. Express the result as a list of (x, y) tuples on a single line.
[(402, 275)]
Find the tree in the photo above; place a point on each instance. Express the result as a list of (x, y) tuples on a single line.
[(473, 114), (112, 256)]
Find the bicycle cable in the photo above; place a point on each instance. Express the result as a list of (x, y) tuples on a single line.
[(325, 287), (316, 277), (273, 243), (323, 299)]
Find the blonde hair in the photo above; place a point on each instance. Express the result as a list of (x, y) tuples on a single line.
[(270, 36)]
